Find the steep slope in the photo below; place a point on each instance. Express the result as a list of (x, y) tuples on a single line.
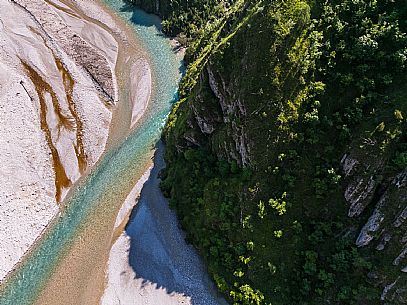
[(287, 152)]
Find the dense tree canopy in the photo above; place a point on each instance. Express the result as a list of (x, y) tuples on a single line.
[(317, 79)]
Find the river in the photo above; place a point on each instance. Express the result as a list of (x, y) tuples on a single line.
[(83, 229)]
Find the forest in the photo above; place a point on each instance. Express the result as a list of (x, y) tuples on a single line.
[(288, 139)]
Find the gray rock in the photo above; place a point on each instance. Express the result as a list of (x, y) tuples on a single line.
[(372, 226), (383, 242), (387, 289), (359, 194), (348, 164), (401, 218), (401, 256)]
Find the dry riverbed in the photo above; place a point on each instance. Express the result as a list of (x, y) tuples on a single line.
[(59, 108), (74, 82)]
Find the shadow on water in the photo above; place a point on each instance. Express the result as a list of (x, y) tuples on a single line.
[(158, 252), (100, 187), (141, 17)]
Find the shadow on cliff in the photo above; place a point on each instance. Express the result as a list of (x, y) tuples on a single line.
[(158, 252)]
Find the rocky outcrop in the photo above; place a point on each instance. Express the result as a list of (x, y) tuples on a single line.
[(232, 108), (389, 211), (214, 114), (348, 164), (395, 292), (361, 171), (359, 194), (372, 226), (386, 225)]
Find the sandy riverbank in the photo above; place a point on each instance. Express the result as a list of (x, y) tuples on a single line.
[(80, 111), (80, 276), (140, 84), (54, 118)]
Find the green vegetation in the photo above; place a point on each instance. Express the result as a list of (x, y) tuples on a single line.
[(297, 84)]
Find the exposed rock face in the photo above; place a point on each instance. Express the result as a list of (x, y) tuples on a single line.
[(385, 228), (232, 107), (348, 164), (214, 119), (395, 292), (366, 235), (386, 224), (359, 194), (360, 171), (53, 87), (396, 192)]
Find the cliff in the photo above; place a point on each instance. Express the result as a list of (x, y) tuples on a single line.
[(287, 151)]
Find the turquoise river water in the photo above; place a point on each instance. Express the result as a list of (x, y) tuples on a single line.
[(26, 282)]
